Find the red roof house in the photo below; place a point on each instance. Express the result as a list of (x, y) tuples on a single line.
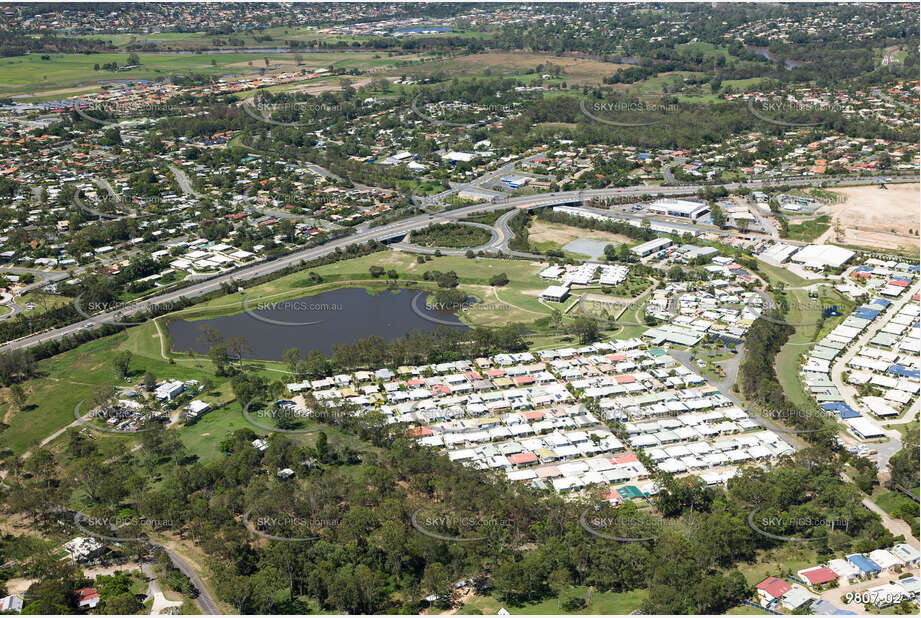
[(819, 575), (87, 597), (773, 588), (523, 458)]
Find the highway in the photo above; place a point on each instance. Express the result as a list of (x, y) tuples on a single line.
[(383, 233)]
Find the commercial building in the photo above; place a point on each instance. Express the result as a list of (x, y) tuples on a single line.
[(679, 208), (777, 254), (650, 247), (555, 293), (821, 256)]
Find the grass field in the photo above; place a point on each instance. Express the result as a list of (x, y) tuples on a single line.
[(890, 501), (74, 376), (802, 312), (67, 74), (781, 274), (278, 35), (809, 230), (788, 558), (545, 236), (521, 64), (601, 603)]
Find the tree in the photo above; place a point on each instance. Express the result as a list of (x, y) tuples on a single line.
[(719, 218), (499, 279), (121, 362), (322, 447), (885, 160), (17, 396), (239, 346), (220, 358), (292, 357), (149, 381), (585, 328), (133, 59), (316, 363), (559, 580), (556, 317)]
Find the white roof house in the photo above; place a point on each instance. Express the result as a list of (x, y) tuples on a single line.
[(82, 548), (864, 428), (844, 569), (884, 559)]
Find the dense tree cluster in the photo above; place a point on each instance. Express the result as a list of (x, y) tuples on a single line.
[(366, 555), (452, 235)]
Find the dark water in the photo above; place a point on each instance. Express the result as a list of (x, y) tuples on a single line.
[(765, 52), (317, 322)]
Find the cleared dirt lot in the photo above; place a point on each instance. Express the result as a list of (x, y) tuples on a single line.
[(879, 218), (539, 232)]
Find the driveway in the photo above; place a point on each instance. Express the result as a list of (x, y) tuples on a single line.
[(160, 603)]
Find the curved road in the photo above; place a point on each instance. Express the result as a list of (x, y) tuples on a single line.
[(497, 238), (382, 233)]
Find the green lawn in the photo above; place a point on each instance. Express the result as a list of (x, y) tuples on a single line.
[(788, 558), (30, 74), (601, 603), (75, 375), (781, 274), (746, 610), (802, 311), (808, 231)]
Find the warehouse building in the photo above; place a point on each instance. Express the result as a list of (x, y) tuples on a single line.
[(685, 209), (648, 248)]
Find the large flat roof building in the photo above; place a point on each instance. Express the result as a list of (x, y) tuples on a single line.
[(648, 248), (686, 209), (820, 256)]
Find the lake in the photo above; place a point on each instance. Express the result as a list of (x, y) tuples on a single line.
[(765, 52), (317, 322)]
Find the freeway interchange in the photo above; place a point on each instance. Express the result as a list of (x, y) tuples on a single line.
[(399, 229)]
